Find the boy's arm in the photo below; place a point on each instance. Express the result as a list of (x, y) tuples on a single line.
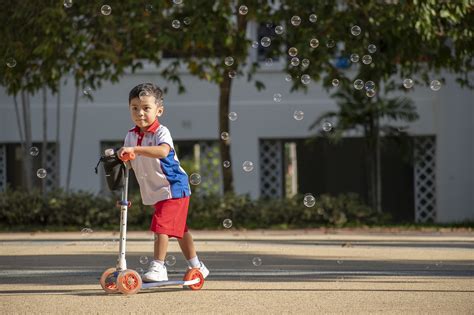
[(160, 151)]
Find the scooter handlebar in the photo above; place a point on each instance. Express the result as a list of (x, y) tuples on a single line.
[(127, 157)]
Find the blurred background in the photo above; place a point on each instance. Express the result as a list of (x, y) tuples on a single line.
[(285, 113)]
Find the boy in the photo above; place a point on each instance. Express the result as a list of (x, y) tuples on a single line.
[(163, 182)]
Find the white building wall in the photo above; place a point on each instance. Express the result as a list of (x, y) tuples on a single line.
[(447, 113)]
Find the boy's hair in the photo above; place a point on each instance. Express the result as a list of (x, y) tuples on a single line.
[(148, 89)]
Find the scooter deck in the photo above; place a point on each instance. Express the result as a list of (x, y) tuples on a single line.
[(146, 285)]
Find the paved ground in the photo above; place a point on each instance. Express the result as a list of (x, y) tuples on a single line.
[(303, 272)]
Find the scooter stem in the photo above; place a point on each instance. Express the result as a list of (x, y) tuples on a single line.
[(121, 262)]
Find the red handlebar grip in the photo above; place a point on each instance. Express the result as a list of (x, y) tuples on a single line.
[(128, 156)]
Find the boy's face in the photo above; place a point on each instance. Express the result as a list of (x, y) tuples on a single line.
[(144, 110)]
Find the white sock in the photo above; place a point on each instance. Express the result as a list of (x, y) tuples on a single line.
[(161, 262), (194, 262)]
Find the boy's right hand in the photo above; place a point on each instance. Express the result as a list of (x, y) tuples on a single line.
[(126, 153)]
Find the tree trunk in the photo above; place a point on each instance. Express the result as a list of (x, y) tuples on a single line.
[(73, 134), (45, 138), (378, 168), (20, 130), (374, 161), (58, 122), (27, 162), (224, 146)]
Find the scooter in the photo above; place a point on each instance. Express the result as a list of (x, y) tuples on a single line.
[(119, 278)]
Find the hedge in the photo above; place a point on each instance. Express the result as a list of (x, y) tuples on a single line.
[(60, 210)]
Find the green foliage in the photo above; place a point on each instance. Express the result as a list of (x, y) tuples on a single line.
[(19, 209)]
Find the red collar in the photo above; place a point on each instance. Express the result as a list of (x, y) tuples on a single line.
[(152, 128)]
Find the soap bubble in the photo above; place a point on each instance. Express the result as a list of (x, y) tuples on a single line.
[(34, 151), (140, 271), (233, 116), (305, 79), (326, 126), (247, 166), (148, 8), (178, 2), (370, 92), (170, 260), (106, 9), (67, 3), (372, 48), (226, 164), (86, 232), (279, 30), (369, 85), (229, 61), (277, 97), (288, 78), (356, 30), (87, 91), (232, 74), (195, 179), (296, 20), (330, 43), (408, 83), (143, 94), (176, 24), (435, 85), (41, 173), (309, 200), (295, 61), (292, 51), (354, 57), (313, 18), (227, 223), (265, 41), (359, 84), (335, 82), (225, 136), (257, 261), (366, 59), (314, 43), (339, 262), (298, 115), (243, 10), (143, 260), (11, 62), (268, 62), (305, 63), (187, 20), (254, 44)]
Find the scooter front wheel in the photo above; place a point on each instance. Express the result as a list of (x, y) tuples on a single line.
[(192, 274), (108, 280), (129, 282)]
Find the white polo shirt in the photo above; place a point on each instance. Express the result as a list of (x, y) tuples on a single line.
[(159, 179)]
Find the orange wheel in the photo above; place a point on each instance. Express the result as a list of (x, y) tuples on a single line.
[(129, 282), (192, 274), (108, 280)]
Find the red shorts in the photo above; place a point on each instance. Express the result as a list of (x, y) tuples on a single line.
[(170, 217)]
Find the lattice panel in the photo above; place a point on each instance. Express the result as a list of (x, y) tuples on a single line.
[(425, 179), (52, 178), (271, 168), (209, 168), (3, 167)]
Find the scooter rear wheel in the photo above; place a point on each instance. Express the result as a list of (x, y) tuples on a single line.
[(129, 282), (108, 280), (192, 274)]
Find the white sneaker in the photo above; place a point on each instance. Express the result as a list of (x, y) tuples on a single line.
[(203, 269), (156, 272)]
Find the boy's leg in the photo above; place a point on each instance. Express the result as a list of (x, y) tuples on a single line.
[(161, 246), (187, 246)]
